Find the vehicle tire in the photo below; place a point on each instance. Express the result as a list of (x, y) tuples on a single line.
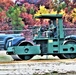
[(68, 55), (25, 57)]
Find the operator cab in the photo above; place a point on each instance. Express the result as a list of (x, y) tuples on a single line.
[(52, 30)]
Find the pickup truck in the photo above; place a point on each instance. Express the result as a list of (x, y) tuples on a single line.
[(4, 38)]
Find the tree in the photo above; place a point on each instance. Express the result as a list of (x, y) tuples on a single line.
[(14, 15)]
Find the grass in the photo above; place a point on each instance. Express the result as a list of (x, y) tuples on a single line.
[(5, 58)]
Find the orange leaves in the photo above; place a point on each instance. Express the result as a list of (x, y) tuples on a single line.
[(6, 3), (2, 16), (3, 21)]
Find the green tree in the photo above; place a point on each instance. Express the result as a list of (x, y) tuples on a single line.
[(14, 15)]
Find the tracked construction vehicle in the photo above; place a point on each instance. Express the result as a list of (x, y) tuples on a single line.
[(50, 41)]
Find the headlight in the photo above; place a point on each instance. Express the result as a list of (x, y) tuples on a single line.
[(10, 43)]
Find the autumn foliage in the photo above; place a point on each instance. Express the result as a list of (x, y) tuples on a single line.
[(4, 6), (22, 16)]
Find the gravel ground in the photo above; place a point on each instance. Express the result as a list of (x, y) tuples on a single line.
[(37, 66)]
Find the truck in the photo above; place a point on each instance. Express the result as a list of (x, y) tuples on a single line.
[(4, 38)]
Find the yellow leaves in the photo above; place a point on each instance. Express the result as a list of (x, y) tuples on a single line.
[(61, 12), (42, 10), (53, 12), (74, 9), (74, 12), (42, 7), (74, 19)]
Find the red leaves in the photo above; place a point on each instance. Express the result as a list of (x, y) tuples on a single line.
[(27, 18), (3, 21), (4, 27), (2, 16), (6, 3), (29, 6)]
